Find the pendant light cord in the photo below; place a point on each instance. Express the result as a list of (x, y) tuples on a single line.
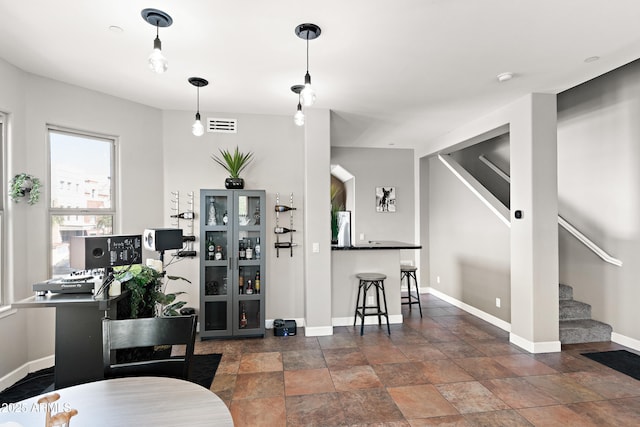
[(307, 52), (198, 100)]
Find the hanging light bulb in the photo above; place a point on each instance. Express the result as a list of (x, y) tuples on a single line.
[(157, 18), (298, 117), (308, 32), (157, 61), (197, 128)]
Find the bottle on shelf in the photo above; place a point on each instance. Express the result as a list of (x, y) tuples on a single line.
[(285, 244), (211, 249), (249, 288), (241, 284), (218, 254), (256, 249), (184, 215), (211, 220), (248, 253), (256, 282), (282, 230), (256, 216), (284, 208), (243, 318), (225, 218), (242, 253)]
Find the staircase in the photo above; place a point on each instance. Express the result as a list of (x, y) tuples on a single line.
[(576, 325)]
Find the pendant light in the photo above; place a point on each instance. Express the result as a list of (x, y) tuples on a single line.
[(157, 18), (197, 129), (308, 32), (298, 118)]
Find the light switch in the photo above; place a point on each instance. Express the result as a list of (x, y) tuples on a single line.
[(315, 247)]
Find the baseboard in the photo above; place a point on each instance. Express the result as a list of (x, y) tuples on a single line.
[(505, 326), (318, 331), (16, 375), (369, 320), (535, 347), (625, 341)]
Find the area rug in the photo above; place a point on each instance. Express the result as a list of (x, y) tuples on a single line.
[(621, 360), (203, 369)]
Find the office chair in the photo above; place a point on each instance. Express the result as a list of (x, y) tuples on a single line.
[(147, 332)]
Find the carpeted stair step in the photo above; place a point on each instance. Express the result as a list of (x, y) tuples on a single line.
[(566, 292), (574, 310), (581, 331)]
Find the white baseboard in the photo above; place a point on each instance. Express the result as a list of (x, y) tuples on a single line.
[(505, 326), (369, 320), (625, 341), (535, 347), (17, 374), (318, 331)]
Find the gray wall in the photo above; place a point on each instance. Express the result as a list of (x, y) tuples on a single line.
[(378, 167), (468, 245), (33, 102), (599, 193)]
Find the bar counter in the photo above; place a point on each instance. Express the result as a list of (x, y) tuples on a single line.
[(368, 257)]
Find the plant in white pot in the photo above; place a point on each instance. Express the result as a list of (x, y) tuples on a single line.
[(234, 163), (24, 184)]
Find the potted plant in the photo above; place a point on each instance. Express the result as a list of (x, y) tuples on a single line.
[(234, 163), (23, 184)]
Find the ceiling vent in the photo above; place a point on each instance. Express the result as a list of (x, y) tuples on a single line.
[(222, 125)]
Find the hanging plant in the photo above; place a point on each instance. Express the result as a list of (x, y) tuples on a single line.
[(23, 184)]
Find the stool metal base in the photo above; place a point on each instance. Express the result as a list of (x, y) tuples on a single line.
[(409, 273), (367, 280)]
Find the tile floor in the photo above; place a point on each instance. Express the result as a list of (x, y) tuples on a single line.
[(446, 369)]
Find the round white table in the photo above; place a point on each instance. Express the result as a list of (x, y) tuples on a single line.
[(139, 401)]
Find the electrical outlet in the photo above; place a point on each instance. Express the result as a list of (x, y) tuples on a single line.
[(437, 279), (361, 236), (498, 302)]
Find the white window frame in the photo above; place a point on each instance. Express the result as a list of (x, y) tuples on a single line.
[(4, 291), (68, 211)]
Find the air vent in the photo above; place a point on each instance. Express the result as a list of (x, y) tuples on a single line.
[(222, 125)]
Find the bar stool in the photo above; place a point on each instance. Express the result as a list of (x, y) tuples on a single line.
[(367, 280), (409, 272)]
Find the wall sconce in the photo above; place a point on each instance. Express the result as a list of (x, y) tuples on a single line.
[(308, 32), (157, 18), (197, 129), (298, 118)]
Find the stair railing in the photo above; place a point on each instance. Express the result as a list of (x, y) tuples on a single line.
[(563, 222)]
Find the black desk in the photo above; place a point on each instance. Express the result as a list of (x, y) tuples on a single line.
[(78, 352)]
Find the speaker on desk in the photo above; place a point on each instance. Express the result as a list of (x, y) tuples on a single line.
[(88, 252), (162, 239)]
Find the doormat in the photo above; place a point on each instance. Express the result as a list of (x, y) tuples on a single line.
[(621, 360)]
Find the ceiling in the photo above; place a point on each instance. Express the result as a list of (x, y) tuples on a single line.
[(394, 73)]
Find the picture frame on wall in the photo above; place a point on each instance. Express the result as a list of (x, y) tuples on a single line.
[(385, 199)]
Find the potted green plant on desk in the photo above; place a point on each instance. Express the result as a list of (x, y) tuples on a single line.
[(234, 163)]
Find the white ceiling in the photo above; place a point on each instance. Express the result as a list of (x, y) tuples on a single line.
[(393, 72)]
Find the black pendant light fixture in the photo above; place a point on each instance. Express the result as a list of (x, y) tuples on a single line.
[(157, 18), (308, 32), (197, 129), (298, 118)]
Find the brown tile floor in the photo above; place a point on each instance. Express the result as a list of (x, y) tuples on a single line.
[(446, 369)]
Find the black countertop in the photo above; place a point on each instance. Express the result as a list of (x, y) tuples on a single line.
[(377, 244)]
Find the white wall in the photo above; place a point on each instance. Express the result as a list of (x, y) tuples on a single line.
[(379, 167), (32, 102), (277, 168), (599, 193)]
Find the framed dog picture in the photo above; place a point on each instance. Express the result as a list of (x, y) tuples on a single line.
[(385, 199)]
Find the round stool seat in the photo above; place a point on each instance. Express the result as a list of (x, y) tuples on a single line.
[(371, 276), (404, 268)]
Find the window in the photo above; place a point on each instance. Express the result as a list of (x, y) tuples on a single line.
[(3, 194), (86, 163)]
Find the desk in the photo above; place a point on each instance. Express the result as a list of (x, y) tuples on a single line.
[(140, 401), (78, 341), (371, 257)]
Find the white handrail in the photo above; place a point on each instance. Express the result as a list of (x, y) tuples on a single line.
[(563, 222)]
